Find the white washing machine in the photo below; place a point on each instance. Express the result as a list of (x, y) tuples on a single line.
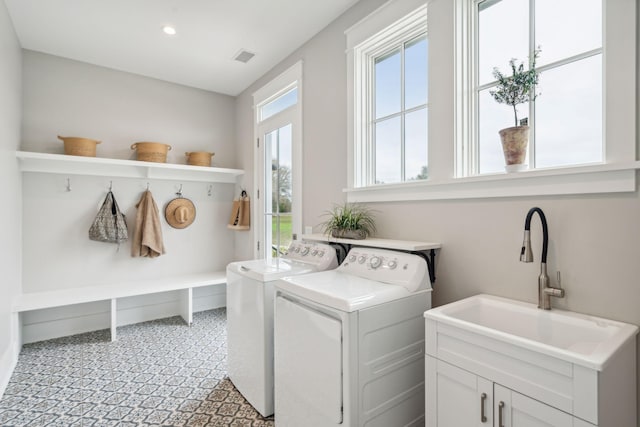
[(250, 316), (349, 343)]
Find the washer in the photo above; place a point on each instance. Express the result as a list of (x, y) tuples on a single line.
[(250, 316), (349, 343)]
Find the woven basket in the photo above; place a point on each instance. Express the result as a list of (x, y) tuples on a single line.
[(151, 151), (199, 158), (74, 146)]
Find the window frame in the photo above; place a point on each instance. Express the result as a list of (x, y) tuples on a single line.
[(448, 114), (407, 28), (472, 164)]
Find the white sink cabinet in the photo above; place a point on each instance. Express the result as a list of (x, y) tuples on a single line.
[(456, 398), (479, 376)]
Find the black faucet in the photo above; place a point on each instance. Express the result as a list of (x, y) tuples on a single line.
[(545, 292)]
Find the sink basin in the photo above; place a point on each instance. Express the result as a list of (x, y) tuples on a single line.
[(585, 340)]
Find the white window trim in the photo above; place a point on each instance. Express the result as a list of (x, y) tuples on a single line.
[(393, 22), (446, 132), (292, 77)]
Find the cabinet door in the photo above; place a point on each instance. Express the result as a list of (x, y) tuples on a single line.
[(516, 410), (455, 397)]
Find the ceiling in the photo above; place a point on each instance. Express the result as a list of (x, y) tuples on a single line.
[(127, 35)]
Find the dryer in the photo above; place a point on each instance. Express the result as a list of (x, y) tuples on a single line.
[(250, 316), (349, 343)]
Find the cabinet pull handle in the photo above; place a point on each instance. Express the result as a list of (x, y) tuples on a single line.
[(500, 411), (483, 399)]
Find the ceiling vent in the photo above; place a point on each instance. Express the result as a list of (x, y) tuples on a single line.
[(244, 56)]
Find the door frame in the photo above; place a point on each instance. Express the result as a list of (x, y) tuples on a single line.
[(290, 78)]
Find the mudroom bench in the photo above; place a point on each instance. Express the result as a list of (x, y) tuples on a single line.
[(110, 294)]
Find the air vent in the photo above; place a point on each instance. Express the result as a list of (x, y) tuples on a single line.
[(244, 56)]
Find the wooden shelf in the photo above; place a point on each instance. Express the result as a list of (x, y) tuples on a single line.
[(78, 165)]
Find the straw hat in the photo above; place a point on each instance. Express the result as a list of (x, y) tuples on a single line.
[(180, 212)]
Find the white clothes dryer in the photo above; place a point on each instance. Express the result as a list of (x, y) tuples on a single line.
[(250, 316), (349, 343)]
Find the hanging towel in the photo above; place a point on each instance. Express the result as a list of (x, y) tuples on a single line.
[(147, 237), (240, 213)]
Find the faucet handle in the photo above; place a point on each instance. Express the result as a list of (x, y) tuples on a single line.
[(559, 280)]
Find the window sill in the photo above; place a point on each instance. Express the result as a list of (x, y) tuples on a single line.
[(587, 179)]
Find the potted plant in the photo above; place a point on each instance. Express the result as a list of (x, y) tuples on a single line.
[(518, 88), (349, 221)]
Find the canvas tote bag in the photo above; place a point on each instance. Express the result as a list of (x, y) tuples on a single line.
[(240, 213), (109, 225)]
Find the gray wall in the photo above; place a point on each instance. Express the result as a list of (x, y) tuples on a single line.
[(324, 120), (594, 238), (71, 98), (10, 214)]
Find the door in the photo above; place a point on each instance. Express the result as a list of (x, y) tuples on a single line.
[(308, 366), (513, 409), (278, 157), (455, 397), (277, 199)]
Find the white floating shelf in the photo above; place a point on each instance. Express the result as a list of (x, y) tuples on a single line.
[(372, 242), (78, 165)]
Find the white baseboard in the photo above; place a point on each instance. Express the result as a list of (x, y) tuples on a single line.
[(8, 362)]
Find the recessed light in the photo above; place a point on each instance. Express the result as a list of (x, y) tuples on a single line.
[(169, 30)]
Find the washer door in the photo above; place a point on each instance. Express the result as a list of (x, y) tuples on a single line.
[(308, 366)]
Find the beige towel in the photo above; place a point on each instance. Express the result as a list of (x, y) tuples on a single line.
[(147, 236)]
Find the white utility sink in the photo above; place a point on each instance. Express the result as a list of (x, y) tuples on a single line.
[(585, 340)]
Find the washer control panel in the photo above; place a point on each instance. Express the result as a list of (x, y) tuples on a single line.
[(392, 267), (319, 254)]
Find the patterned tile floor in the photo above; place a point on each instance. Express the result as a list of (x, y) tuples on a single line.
[(160, 373)]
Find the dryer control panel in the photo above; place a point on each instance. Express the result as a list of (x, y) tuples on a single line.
[(392, 267)]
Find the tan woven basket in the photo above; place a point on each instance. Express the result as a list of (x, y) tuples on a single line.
[(151, 151), (199, 158), (74, 146)]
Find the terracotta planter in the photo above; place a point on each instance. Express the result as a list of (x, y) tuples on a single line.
[(514, 145)]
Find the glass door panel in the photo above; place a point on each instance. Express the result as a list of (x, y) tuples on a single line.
[(278, 191)]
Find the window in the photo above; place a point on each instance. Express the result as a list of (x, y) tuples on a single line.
[(584, 123), (399, 119), (278, 158), (567, 120), (391, 88)]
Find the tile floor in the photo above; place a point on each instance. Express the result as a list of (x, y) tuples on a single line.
[(160, 373)]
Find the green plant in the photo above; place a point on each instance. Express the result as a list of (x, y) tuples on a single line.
[(351, 217), (518, 88)]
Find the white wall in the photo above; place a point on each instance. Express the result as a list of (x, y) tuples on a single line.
[(594, 238), (65, 97), (10, 214)]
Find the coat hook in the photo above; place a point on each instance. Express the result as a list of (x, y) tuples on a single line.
[(147, 186), (110, 185), (210, 190), (179, 193), (68, 184)]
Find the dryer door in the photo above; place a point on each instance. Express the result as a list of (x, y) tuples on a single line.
[(308, 366)]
